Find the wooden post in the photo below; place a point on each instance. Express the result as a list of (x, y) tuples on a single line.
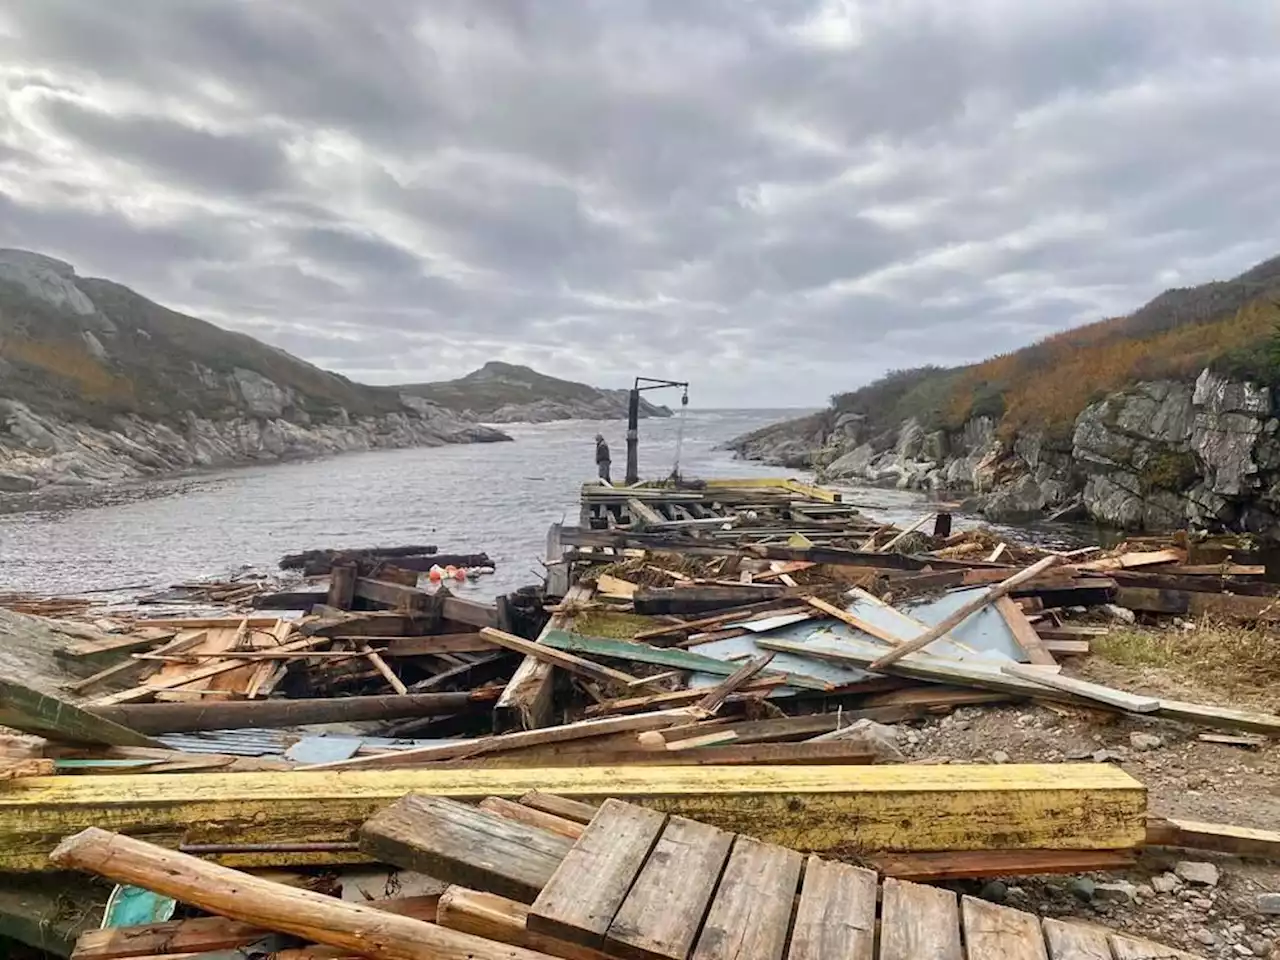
[(342, 586), (241, 896), (942, 526), (968, 610)]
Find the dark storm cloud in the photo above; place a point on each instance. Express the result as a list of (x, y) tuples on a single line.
[(780, 200)]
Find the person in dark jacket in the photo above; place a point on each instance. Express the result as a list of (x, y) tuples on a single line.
[(602, 458)]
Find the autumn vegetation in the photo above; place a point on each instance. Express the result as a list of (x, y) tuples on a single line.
[(1231, 326)]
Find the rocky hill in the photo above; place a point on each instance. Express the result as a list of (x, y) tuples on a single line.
[(1159, 419), (97, 383), (506, 393)]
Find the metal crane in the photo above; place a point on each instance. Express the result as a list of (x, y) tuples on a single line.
[(633, 424)]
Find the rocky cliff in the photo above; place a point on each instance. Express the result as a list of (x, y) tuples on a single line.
[(99, 384), (1073, 424), (507, 393)]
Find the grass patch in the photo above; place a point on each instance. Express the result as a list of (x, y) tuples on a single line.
[(1213, 654), (613, 625)]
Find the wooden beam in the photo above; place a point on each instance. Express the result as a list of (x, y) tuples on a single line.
[(563, 807), (1024, 633), (891, 807), (527, 701), (470, 612), (462, 844), (46, 716), (497, 918), (1120, 699), (342, 586), (1219, 837), (193, 935), (268, 714), (558, 658), (394, 595), (1194, 604), (652, 601), (710, 704), (969, 609), (959, 865), (511, 810), (241, 896)]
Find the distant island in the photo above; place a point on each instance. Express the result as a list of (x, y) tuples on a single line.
[(99, 384), (1161, 419)]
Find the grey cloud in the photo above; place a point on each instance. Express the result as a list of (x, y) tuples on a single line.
[(402, 190)]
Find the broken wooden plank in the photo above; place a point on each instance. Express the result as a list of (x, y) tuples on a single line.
[(1131, 948), (471, 612), (995, 932), (496, 918), (1024, 633), (611, 586), (1187, 603), (663, 911), (387, 673), (18, 769), (751, 911), (1218, 837), (193, 935), (715, 699), (836, 916), (959, 616), (918, 921), (653, 601), (588, 887), (527, 701), (461, 844), (244, 897), (512, 741), (501, 807), (1075, 941), (397, 596), (30, 711), (937, 867), (574, 810), (1127, 561), (1121, 700)]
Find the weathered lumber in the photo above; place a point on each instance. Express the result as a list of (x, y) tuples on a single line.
[(1120, 699), (918, 921), (653, 601), (388, 674), (431, 645), (676, 698), (558, 658), (462, 844), (663, 911), (727, 754), (1075, 941), (46, 716), (885, 808), (1218, 837), (1024, 633), (241, 896), (588, 887), (836, 916), (744, 612), (957, 865), (267, 714), (751, 910), (308, 559), (194, 935), (342, 586), (291, 600), (671, 657), (471, 612), (512, 741), (1187, 603), (969, 609), (994, 932), (19, 768), (574, 810), (518, 812), (527, 702), (497, 918), (1131, 948), (394, 595), (716, 697), (200, 673)]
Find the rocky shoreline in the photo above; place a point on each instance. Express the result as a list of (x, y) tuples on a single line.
[(1159, 455)]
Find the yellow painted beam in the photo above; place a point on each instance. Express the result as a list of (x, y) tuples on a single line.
[(821, 808)]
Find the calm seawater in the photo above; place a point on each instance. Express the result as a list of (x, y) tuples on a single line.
[(497, 498)]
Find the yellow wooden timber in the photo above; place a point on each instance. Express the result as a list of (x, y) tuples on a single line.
[(797, 487), (821, 808)]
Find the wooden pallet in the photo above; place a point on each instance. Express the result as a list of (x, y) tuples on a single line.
[(630, 882)]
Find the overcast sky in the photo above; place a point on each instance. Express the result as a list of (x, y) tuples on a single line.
[(776, 200)]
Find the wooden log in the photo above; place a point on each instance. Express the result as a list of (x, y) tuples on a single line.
[(496, 918), (588, 887), (462, 844), (886, 808), (241, 896), (969, 609), (267, 714), (663, 910), (836, 916)]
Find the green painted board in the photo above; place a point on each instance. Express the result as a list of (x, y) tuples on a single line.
[(672, 658), (44, 716)]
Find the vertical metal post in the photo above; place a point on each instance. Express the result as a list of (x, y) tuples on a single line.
[(633, 437)]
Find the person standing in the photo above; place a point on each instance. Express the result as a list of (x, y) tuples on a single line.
[(602, 458)]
